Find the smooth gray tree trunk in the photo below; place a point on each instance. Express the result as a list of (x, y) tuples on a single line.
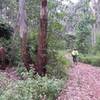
[(24, 35)]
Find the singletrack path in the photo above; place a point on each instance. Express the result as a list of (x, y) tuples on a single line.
[(83, 83)]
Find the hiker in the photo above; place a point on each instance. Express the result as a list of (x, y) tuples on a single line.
[(75, 55)]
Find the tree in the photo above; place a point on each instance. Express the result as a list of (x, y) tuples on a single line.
[(24, 35), (42, 42), (83, 29)]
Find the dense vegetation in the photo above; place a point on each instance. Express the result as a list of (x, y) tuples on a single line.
[(36, 44)]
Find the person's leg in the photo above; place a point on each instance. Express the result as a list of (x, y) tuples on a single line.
[(74, 59)]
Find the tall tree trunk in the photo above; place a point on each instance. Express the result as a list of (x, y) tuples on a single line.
[(0, 9), (24, 35), (96, 8), (42, 40), (93, 36)]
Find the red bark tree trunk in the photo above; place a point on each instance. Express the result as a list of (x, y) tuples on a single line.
[(42, 40)]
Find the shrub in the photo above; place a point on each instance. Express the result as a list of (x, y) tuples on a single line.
[(32, 43), (96, 61), (57, 65), (91, 59), (97, 47), (32, 89), (5, 30)]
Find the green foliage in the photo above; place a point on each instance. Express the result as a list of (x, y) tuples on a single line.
[(12, 50), (94, 59), (55, 42), (83, 29), (10, 44), (5, 30), (32, 43), (70, 41), (57, 65), (96, 48), (83, 36), (7, 45), (98, 44), (31, 88), (21, 71), (4, 82), (56, 26), (91, 59), (6, 39)]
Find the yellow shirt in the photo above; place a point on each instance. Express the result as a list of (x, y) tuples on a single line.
[(75, 53)]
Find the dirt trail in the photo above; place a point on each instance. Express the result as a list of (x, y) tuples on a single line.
[(83, 83), (10, 73)]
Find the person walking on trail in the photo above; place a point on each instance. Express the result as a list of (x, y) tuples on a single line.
[(75, 55)]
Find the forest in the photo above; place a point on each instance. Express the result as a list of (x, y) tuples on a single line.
[(37, 38)]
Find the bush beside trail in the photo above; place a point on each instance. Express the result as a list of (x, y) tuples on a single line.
[(90, 59), (29, 89)]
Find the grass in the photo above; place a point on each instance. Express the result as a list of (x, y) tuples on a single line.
[(90, 59)]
